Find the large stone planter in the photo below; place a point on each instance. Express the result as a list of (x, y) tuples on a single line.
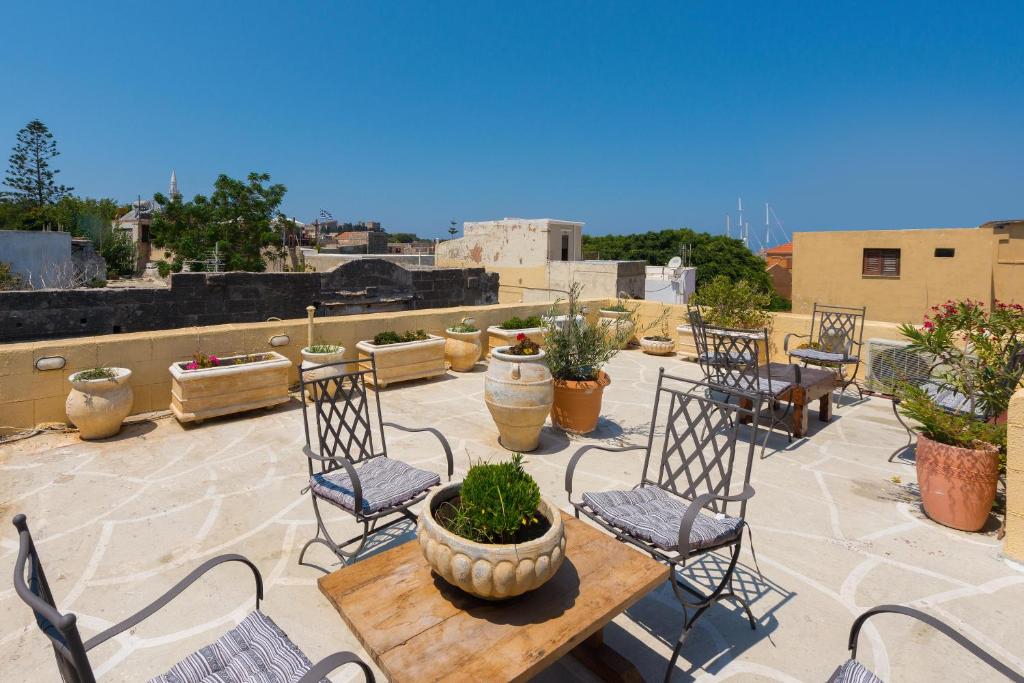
[(99, 406), (958, 485), (617, 322), (687, 346), (405, 360), (499, 337), (518, 391), (490, 571), (210, 392), (462, 349), (312, 371), (577, 405)]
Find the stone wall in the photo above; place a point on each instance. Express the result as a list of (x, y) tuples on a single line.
[(196, 299)]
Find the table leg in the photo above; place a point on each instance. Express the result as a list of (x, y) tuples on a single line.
[(604, 662), (799, 398), (825, 407), (746, 404)]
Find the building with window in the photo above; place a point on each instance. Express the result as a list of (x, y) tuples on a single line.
[(900, 274), (778, 261)]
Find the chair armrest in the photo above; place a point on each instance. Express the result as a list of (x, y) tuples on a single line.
[(157, 604), (331, 662), (694, 508), (571, 468), (785, 340), (313, 456), (440, 437), (939, 626), (353, 477)]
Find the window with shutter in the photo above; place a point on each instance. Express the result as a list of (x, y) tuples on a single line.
[(881, 262)]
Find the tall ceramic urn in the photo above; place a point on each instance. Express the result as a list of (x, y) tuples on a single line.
[(518, 391)]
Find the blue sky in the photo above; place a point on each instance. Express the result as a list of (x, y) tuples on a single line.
[(628, 116)]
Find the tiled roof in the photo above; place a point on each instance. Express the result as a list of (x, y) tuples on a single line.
[(780, 250)]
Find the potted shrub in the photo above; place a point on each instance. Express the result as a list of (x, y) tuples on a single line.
[(462, 347), (492, 535), (618, 320), (959, 455), (322, 354), (208, 386), (518, 391), (99, 401), (404, 356), (576, 355), (505, 334), (660, 343), (739, 305)]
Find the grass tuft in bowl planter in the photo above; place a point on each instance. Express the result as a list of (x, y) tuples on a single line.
[(492, 535), (462, 347), (404, 356)]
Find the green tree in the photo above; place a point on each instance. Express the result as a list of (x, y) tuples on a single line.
[(30, 176), (239, 219), (403, 237), (118, 251)]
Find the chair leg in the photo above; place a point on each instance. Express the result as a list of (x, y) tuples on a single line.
[(340, 550), (910, 432)]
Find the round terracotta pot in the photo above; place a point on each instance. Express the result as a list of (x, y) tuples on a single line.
[(577, 405), (518, 394), (958, 485), (462, 349), (489, 570), (98, 406)]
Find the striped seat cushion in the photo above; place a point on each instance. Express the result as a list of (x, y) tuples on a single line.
[(732, 358), (654, 515), (950, 399), (762, 385), (853, 671), (385, 483), (826, 357), (255, 651)]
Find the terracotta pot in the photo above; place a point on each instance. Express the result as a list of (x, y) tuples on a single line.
[(958, 485), (518, 393), (657, 347), (486, 570), (577, 405), (462, 350), (99, 406)]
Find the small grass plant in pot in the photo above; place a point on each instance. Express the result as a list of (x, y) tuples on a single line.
[(319, 361), (961, 454), (492, 535), (518, 392), (462, 348), (576, 355), (99, 401), (660, 343)]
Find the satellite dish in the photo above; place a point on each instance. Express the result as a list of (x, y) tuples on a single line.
[(675, 262)]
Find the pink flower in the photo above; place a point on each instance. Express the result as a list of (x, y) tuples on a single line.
[(214, 360), (928, 325), (521, 337), (192, 366)]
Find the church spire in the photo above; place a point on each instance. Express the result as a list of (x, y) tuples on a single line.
[(174, 185)]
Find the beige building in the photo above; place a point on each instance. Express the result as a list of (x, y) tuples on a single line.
[(537, 259), (900, 274)]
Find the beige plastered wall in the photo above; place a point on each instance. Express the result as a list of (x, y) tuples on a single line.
[(1013, 543)]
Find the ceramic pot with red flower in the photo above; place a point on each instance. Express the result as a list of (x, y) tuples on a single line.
[(518, 391)]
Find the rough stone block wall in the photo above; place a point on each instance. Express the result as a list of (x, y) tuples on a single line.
[(196, 299)]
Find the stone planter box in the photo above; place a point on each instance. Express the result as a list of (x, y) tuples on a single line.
[(497, 337), (209, 392), (405, 360), (688, 347), (490, 571)]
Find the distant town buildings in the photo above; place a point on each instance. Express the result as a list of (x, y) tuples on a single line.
[(137, 221), (778, 261)]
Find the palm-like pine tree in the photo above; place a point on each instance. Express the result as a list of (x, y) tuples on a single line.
[(29, 176)]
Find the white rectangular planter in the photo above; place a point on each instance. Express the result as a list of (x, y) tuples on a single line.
[(226, 389), (497, 336), (405, 360)]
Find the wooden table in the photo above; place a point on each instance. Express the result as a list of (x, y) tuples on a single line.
[(815, 383), (419, 628)]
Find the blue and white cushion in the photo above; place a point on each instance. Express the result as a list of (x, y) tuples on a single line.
[(853, 671), (654, 515), (950, 399), (731, 358), (817, 356), (255, 651), (384, 483)]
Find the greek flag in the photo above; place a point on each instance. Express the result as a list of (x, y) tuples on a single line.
[(324, 213)]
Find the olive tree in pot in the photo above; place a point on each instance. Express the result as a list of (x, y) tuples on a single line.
[(492, 535), (577, 352), (961, 450)]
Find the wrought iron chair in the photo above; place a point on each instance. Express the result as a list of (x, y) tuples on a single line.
[(705, 355), (949, 399), (835, 342), (853, 671), (734, 364), (350, 468), (693, 491), (257, 644)]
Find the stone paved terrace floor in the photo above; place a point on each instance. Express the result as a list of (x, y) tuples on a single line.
[(118, 522)]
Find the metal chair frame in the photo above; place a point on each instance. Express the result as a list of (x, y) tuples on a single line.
[(72, 653), (939, 626), (345, 438), (696, 463), (847, 321)]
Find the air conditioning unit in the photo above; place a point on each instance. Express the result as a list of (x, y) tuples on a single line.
[(889, 361)]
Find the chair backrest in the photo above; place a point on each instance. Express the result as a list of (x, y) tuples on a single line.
[(837, 329), (62, 629), (693, 446), (345, 426), (736, 357), (700, 340)]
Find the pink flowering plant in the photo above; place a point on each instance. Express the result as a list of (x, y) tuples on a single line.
[(201, 360)]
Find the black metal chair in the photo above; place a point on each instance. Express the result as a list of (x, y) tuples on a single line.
[(853, 671), (351, 469), (693, 491), (257, 643), (835, 342)]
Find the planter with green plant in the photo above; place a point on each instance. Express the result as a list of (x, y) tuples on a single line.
[(960, 412), (462, 348), (99, 401), (505, 333), (492, 535), (738, 305), (619, 320), (660, 343), (404, 356), (577, 354), (209, 386), (317, 355), (518, 391)]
